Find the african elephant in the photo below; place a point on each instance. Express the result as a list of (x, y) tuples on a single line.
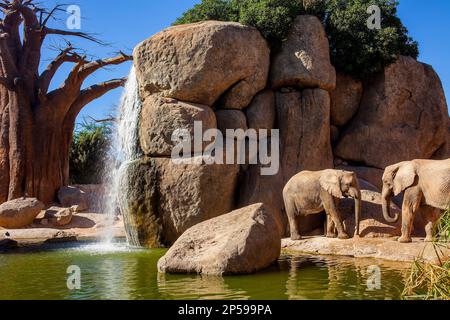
[(426, 185), (312, 192)]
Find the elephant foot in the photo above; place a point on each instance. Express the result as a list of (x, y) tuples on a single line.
[(331, 235), (343, 236), (296, 237), (404, 239), (429, 239)]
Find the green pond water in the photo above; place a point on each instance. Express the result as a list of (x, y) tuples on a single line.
[(123, 273)]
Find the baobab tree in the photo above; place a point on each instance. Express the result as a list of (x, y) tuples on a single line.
[(36, 123)]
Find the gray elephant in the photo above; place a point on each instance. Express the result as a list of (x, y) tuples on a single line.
[(312, 192), (426, 185)]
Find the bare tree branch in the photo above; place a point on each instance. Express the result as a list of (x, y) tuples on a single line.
[(47, 31), (96, 91), (90, 94), (91, 67), (50, 14), (46, 77)]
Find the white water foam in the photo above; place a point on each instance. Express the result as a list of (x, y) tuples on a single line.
[(124, 148)]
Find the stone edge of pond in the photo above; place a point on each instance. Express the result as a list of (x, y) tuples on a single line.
[(379, 248)]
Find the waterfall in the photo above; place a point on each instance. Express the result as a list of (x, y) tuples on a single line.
[(124, 149)]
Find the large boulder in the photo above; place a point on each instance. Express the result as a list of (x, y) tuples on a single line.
[(72, 196), (261, 113), (60, 217), (162, 199), (403, 116), (160, 117), (241, 242), (345, 99), (258, 188), (305, 138), (200, 62), (19, 213), (304, 58)]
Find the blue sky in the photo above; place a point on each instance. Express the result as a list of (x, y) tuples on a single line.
[(125, 24)]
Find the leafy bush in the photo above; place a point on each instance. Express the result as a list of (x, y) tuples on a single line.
[(89, 153), (355, 49)]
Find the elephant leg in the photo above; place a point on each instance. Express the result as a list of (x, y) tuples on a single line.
[(291, 212), (411, 203), (430, 216), (331, 228), (331, 210)]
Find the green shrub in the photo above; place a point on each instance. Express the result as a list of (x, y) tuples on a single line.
[(354, 48), (220, 10), (359, 51), (89, 153)]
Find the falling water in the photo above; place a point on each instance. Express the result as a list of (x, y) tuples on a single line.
[(124, 148)]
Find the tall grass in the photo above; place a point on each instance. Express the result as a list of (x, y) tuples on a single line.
[(428, 281)]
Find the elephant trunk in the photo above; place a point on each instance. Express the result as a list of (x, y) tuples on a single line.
[(357, 213), (356, 194), (386, 204)]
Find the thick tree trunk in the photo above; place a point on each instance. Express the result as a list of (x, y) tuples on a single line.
[(36, 125), (4, 144)]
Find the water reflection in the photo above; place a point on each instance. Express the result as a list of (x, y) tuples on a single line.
[(126, 273), (197, 287), (342, 278)]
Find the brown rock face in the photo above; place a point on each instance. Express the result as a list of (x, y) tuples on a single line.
[(261, 112), (256, 188), (304, 59), (19, 213), (72, 196), (372, 175), (305, 138), (138, 202), (160, 117), (345, 99), (231, 119), (403, 116), (241, 242), (165, 199), (200, 62)]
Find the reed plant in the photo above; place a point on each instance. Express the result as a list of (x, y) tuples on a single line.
[(431, 281)]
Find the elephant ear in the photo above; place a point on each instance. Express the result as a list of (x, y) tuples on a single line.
[(331, 183), (404, 178)]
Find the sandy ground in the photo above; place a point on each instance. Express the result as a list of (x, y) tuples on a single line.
[(84, 227)]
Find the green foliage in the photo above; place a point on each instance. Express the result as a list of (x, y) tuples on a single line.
[(220, 10), (428, 281), (354, 48), (89, 153), (359, 51)]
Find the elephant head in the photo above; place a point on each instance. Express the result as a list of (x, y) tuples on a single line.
[(396, 179), (344, 184)]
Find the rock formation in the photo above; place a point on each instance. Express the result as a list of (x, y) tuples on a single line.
[(19, 213), (304, 59), (241, 242), (200, 62), (403, 116), (220, 73)]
